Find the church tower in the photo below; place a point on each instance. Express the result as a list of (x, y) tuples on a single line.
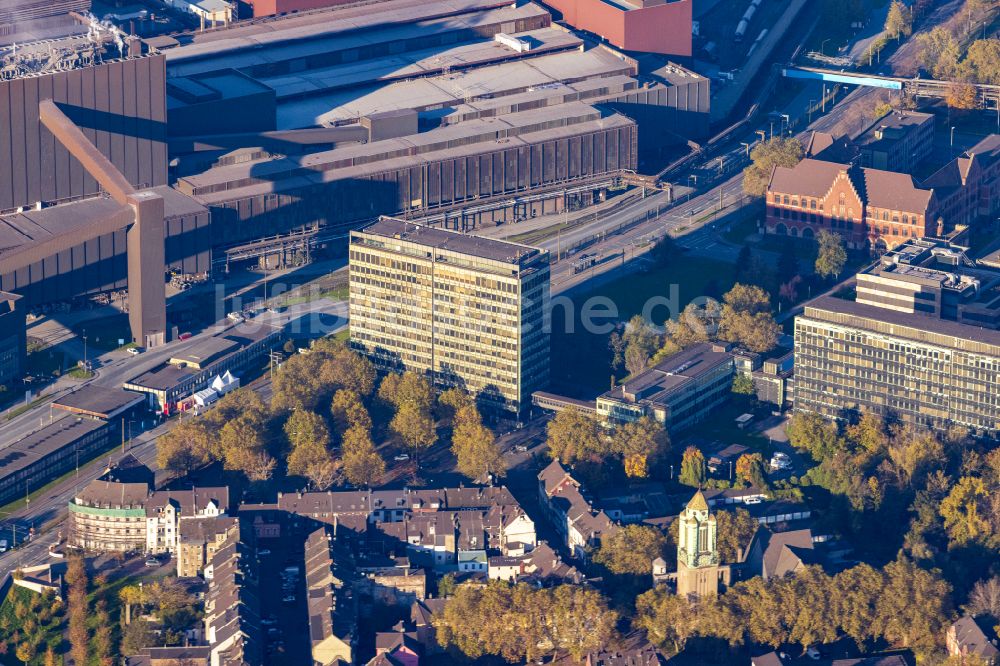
[(698, 569)]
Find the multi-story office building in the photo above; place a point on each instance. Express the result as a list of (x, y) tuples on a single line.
[(677, 392), (935, 278), (919, 343), (898, 141), (467, 310)]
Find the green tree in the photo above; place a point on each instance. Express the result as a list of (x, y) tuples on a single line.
[(305, 428), (668, 619), (938, 52), (243, 402), (743, 384), (963, 511), (832, 256), (239, 439), (186, 447), (734, 529), (453, 400), (914, 452), (522, 623), (409, 388), (343, 368), (914, 606), (348, 411), (899, 20), (136, 636), (573, 435), (363, 466), (808, 431), (984, 60), (474, 446), (869, 433), (414, 426), (447, 586), (640, 442), (298, 383), (693, 468), (778, 151), (855, 603), (698, 322), (640, 344), (746, 319), (314, 461), (631, 550), (750, 469)]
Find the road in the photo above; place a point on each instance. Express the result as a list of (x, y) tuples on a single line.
[(689, 219), (318, 317)]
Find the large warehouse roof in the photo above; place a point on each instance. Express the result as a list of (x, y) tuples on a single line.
[(313, 25), (329, 37), (424, 62), (453, 89)]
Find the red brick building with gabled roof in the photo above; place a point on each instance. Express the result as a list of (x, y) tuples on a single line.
[(867, 207)]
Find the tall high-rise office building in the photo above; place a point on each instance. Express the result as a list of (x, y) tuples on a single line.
[(466, 310), (920, 343)]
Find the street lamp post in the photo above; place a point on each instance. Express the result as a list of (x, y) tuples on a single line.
[(952, 145), (812, 104), (822, 47), (787, 122)]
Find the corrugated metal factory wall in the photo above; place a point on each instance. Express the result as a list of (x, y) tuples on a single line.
[(121, 108), (426, 187)]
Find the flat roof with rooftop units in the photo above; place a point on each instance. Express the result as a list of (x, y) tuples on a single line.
[(392, 229), (330, 40), (459, 87)]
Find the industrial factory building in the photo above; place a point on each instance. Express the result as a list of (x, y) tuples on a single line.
[(653, 26), (472, 112), (275, 136), (112, 91), (32, 20)]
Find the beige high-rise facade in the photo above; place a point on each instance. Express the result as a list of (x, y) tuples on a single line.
[(467, 310)]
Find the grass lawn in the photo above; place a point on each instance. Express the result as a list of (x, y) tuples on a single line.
[(739, 230), (692, 276), (336, 294), (722, 426), (49, 625), (580, 365)]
